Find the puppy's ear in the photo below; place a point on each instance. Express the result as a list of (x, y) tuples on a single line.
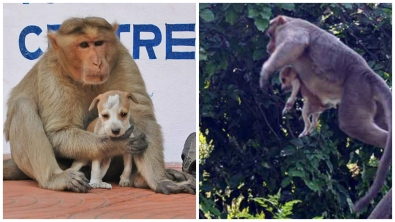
[(94, 102), (133, 98)]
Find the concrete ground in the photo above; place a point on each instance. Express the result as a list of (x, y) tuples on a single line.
[(23, 199)]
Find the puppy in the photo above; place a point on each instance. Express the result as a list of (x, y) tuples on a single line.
[(312, 104), (114, 120)]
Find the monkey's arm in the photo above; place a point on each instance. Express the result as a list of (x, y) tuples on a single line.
[(286, 52), (76, 143)]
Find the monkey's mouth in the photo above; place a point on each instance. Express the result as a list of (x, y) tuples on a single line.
[(96, 78)]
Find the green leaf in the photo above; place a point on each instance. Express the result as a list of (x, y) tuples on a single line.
[(286, 182), (252, 12), (287, 151), (261, 24), (313, 186), (231, 16), (207, 15), (287, 6), (258, 54), (296, 173)]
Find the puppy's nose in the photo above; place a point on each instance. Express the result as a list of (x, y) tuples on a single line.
[(115, 131)]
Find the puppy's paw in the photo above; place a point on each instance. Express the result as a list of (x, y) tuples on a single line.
[(124, 182)]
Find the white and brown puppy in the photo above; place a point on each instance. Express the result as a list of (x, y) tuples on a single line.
[(312, 106), (114, 120)]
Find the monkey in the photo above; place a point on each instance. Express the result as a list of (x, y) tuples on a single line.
[(312, 105), (48, 112), (335, 74)]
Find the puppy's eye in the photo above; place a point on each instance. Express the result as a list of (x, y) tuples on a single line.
[(123, 114), (105, 116)]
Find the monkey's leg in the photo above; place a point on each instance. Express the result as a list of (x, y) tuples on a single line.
[(33, 153), (128, 165), (356, 119), (151, 165)]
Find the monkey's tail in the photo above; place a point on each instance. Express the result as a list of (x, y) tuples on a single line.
[(12, 172), (384, 96)]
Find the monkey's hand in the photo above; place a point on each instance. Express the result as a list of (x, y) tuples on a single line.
[(179, 182), (137, 144), (264, 80), (168, 186)]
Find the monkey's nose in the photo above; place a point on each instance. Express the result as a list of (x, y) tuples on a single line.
[(116, 131)]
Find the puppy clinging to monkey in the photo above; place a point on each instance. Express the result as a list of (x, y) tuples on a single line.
[(48, 113), (336, 75), (114, 120), (312, 105)]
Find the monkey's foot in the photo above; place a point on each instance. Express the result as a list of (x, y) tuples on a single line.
[(100, 185), (69, 180), (168, 186), (124, 182)]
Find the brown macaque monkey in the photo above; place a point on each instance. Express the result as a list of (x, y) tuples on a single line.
[(48, 112), (336, 75), (312, 105)]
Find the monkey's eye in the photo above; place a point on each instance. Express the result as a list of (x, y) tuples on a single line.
[(282, 80), (123, 114), (105, 116), (84, 45), (99, 43)]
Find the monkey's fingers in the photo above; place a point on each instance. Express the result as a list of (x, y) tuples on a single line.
[(167, 187), (125, 136), (137, 145), (70, 180)]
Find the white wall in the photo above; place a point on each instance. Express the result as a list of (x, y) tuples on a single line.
[(170, 82)]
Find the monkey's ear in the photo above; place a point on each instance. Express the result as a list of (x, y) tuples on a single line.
[(94, 103), (133, 98), (281, 20), (52, 40), (115, 27)]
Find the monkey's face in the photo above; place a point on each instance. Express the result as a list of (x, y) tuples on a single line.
[(271, 32), (86, 53)]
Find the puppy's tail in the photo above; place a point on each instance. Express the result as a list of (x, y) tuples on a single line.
[(383, 95)]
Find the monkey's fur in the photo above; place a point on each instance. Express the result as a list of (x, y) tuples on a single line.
[(312, 105), (337, 75), (48, 112)]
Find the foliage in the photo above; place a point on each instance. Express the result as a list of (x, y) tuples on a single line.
[(250, 150)]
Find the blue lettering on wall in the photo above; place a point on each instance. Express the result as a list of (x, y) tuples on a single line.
[(123, 28), (138, 42), (170, 41), (22, 39), (148, 44), (53, 28)]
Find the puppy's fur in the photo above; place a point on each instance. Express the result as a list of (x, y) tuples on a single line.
[(114, 120), (312, 104)]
